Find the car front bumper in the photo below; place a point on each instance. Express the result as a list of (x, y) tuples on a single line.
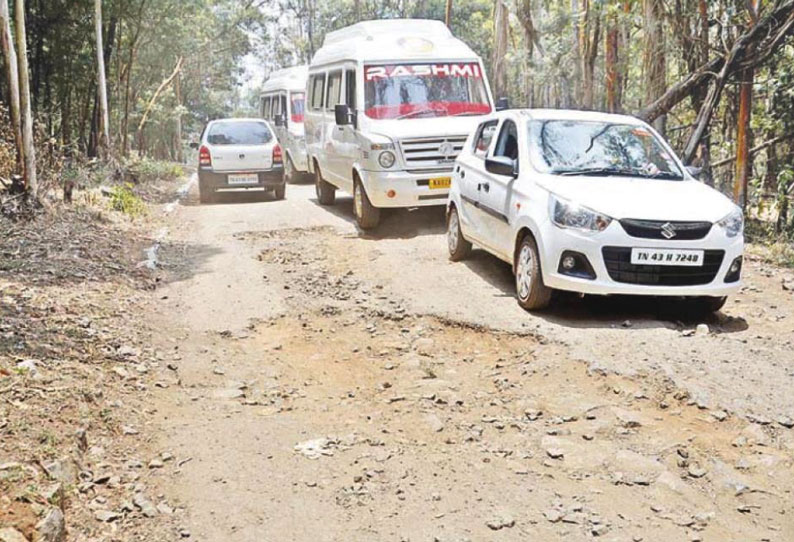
[(404, 189), (608, 253), (219, 181)]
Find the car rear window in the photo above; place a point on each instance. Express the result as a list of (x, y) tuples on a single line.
[(239, 133)]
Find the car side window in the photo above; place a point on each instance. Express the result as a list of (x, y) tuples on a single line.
[(318, 86), (507, 144), (334, 90), (350, 88), (485, 134)]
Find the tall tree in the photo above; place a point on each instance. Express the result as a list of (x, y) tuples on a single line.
[(654, 59), (499, 62), (28, 147), (744, 164), (104, 118), (612, 60), (12, 78), (588, 48)]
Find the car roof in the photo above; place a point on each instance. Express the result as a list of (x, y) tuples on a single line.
[(293, 78), (575, 114), (251, 119), (393, 40)]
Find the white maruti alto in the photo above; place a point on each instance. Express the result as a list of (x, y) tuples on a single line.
[(389, 105), (592, 203)]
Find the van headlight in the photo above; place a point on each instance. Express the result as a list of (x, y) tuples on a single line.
[(733, 224), (567, 214), (386, 159)]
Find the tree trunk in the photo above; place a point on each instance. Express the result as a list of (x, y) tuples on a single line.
[(500, 48), (448, 14), (104, 119), (654, 57), (612, 61), (178, 92), (744, 163), (588, 47), (28, 147), (12, 79)]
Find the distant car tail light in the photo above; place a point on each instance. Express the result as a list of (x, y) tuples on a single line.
[(205, 158), (277, 158)]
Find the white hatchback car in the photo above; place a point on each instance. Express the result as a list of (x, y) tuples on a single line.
[(592, 203), (239, 155)]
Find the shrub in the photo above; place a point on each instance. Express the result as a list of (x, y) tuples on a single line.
[(124, 200)]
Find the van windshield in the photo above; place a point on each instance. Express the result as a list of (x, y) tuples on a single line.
[(298, 102), (404, 91), (572, 148)]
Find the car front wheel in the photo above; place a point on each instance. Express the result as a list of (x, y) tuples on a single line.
[(459, 247), (326, 193), (367, 215), (531, 292)]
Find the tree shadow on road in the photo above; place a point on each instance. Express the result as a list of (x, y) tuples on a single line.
[(394, 223), (597, 311)]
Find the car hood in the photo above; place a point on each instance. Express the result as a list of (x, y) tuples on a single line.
[(647, 199)]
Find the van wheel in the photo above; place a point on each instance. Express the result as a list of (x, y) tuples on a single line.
[(326, 192), (459, 247), (367, 215), (289, 171), (280, 191), (531, 292)]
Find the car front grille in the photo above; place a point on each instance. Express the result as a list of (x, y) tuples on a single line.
[(424, 152), (620, 268), (670, 231)]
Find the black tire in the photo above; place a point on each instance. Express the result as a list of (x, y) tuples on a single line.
[(326, 192), (367, 215), (531, 292), (706, 305), (459, 247), (280, 191), (289, 171)]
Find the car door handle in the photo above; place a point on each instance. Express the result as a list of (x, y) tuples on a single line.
[(485, 187)]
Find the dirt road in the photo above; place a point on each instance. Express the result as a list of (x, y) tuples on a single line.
[(327, 385)]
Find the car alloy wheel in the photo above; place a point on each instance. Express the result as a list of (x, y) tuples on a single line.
[(524, 272)]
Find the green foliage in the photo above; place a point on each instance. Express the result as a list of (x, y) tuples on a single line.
[(147, 170), (124, 200)]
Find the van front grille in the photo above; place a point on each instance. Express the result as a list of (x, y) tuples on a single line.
[(427, 152)]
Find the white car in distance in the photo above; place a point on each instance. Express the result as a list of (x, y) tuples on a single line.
[(592, 203)]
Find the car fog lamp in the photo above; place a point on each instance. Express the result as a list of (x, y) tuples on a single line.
[(569, 262), (386, 159), (736, 266)]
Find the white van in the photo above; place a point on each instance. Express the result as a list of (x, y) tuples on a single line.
[(389, 106), (282, 103)]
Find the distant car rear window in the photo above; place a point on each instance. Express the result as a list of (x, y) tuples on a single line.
[(239, 133)]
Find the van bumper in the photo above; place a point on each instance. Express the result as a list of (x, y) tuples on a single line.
[(403, 188)]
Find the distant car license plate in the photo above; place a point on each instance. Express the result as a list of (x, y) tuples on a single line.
[(440, 182), (661, 256), (248, 178)]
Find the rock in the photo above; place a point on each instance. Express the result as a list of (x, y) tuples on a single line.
[(10, 534), (316, 448), (599, 530), (52, 528), (786, 422), (555, 453), (435, 423), (696, 471), (127, 351), (156, 463), (424, 346), (62, 470), (184, 533), (719, 415), (105, 516), (627, 419), (553, 515), (533, 414), (164, 509), (30, 367), (502, 522), (144, 505), (231, 393), (127, 430), (702, 329)]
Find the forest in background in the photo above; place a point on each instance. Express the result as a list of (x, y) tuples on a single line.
[(716, 77)]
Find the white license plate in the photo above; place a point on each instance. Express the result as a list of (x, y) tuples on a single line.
[(248, 178), (664, 256)]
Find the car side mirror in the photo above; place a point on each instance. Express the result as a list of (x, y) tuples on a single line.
[(502, 104), (194, 145), (501, 165), (694, 171), (343, 115)]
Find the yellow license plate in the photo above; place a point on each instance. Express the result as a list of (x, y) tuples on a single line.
[(440, 182)]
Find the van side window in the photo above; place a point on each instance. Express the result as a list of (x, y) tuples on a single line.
[(484, 136), (350, 88), (318, 85), (507, 144), (284, 104), (334, 90), (275, 109), (266, 108)]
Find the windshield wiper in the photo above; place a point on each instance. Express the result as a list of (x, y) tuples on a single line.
[(597, 172), (466, 114), (420, 112), (664, 175)]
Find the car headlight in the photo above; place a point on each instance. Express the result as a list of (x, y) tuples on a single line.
[(733, 224), (566, 214), (386, 159)]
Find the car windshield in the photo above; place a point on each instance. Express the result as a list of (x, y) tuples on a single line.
[(239, 133), (404, 91), (565, 147), (298, 101)]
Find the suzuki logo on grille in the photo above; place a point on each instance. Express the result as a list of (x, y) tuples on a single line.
[(447, 150), (668, 231)]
